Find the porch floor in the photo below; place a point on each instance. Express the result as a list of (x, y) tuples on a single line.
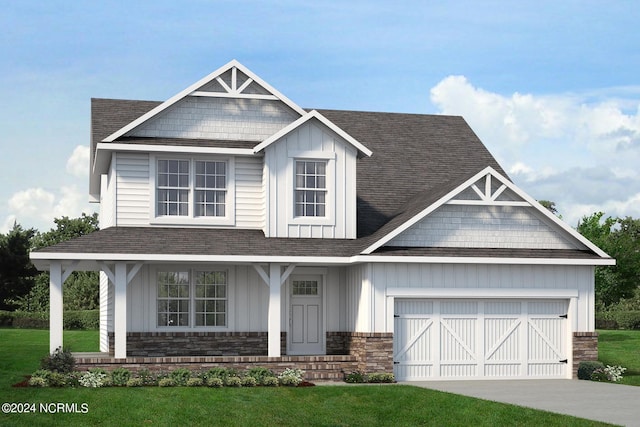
[(321, 367)]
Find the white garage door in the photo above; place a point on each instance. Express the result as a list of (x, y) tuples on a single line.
[(447, 339)]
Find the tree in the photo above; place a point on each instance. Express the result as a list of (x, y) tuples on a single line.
[(16, 270), (620, 238), (81, 289), (549, 205)]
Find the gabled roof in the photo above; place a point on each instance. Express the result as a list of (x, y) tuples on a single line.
[(417, 209), (195, 89), (313, 114)]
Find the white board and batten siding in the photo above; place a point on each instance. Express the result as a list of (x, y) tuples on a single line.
[(311, 141), (248, 300)]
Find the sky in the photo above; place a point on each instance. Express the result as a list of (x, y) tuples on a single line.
[(552, 88)]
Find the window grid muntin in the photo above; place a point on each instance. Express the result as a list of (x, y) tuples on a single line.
[(173, 187), (310, 188), (210, 188), (211, 298), (173, 298), (304, 287), (205, 293)]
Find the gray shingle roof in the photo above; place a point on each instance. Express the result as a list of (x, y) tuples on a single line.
[(416, 160)]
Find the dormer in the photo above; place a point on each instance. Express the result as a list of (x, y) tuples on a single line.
[(310, 180)]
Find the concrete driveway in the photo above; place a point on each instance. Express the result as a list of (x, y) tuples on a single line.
[(610, 403)]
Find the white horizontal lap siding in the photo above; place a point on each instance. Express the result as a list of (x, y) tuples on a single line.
[(132, 189), (496, 277), (249, 192), (485, 227)]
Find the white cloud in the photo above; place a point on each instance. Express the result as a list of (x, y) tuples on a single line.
[(580, 151), (36, 207), (78, 163)]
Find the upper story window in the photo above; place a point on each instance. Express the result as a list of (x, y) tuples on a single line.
[(191, 188), (310, 188)]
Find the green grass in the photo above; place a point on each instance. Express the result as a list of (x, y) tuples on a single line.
[(370, 405), (621, 348)]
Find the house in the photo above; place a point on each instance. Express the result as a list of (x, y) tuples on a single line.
[(238, 228)]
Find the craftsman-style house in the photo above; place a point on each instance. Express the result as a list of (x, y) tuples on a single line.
[(238, 228)]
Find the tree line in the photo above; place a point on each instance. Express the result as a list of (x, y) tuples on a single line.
[(23, 288)]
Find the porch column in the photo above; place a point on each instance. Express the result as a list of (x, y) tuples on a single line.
[(274, 324), (120, 311), (55, 306)]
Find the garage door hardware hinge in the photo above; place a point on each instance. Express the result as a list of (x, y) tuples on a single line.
[(396, 315), (396, 363), (564, 316), (564, 361)]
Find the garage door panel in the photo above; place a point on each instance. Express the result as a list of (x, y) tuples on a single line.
[(480, 339), (502, 339), (458, 339)]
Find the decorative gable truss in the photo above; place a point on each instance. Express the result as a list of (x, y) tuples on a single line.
[(179, 116), (486, 211)]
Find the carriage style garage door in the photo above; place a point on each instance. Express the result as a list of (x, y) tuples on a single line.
[(448, 339)]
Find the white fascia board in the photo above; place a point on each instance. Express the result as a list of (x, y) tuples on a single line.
[(510, 185), (114, 146), (374, 259), (484, 293), (40, 257), (155, 111), (305, 118)]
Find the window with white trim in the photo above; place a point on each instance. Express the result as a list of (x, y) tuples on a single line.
[(310, 188), (183, 292), (191, 188)]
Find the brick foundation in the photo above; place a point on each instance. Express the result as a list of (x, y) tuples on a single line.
[(161, 351), (372, 350), (175, 344), (585, 347)]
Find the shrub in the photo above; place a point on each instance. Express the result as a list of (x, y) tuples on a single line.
[(166, 382), (233, 381), (38, 382), (354, 377), (120, 376), (222, 373), (214, 382), (82, 319), (270, 381), (291, 377), (57, 379), (93, 379), (249, 382), (381, 377), (6, 318), (259, 374), (147, 377), (135, 382), (59, 361), (614, 373), (194, 382), (586, 369), (628, 319), (180, 376)]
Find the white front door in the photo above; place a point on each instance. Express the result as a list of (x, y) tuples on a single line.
[(306, 332)]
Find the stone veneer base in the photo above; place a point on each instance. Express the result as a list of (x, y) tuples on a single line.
[(585, 348)]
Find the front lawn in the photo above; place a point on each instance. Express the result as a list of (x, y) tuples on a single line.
[(621, 348), (338, 405)]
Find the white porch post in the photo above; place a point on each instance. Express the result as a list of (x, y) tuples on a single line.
[(274, 324), (120, 311), (55, 306)]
